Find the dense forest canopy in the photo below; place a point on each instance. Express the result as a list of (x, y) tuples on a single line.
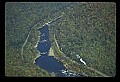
[(86, 29)]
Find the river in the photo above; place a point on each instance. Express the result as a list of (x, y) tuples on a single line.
[(49, 63)]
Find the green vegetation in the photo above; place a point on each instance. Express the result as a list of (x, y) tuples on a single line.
[(87, 29)]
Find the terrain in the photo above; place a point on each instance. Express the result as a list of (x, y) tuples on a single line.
[(86, 29)]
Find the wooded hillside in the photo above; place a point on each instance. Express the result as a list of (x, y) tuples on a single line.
[(86, 29)]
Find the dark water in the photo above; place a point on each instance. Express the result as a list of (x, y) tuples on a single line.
[(44, 43), (48, 63)]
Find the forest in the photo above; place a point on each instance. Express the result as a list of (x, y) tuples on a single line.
[(87, 29)]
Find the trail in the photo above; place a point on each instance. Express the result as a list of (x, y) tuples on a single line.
[(90, 68), (27, 40), (24, 44), (56, 42)]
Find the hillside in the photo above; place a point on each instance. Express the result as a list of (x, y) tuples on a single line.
[(86, 29)]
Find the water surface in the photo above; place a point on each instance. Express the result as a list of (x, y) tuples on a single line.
[(48, 63)]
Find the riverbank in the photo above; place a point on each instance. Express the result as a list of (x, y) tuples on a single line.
[(51, 52), (73, 65)]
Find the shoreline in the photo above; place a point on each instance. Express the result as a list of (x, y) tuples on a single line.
[(38, 53)]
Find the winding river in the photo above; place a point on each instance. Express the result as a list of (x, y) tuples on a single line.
[(46, 62)]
